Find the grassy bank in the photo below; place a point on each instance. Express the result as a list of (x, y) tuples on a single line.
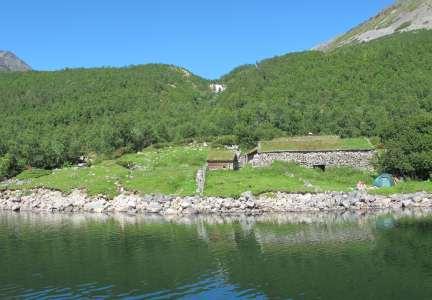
[(172, 171), (167, 171), (405, 187), (281, 176)]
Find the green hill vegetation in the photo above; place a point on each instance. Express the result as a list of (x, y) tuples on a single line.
[(354, 91), (49, 119), (314, 143)]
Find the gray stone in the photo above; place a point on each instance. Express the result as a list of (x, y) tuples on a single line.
[(186, 203), (227, 203), (154, 207), (355, 159), (160, 198), (189, 211), (171, 211), (97, 206), (407, 203), (247, 196), (50, 201), (345, 203), (250, 204), (419, 197), (69, 209)]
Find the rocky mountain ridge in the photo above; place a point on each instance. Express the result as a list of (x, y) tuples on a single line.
[(10, 62), (405, 15)]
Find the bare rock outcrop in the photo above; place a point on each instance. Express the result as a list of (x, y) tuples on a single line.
[(10, 62)]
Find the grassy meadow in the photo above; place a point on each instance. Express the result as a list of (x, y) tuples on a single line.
[(168, 171), (172, 171), (282, 176)]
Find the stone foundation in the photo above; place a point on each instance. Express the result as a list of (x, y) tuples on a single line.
[(355, 159)]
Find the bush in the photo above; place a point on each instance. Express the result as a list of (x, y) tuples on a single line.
[(7, 166), (376, 142), (409, 148)]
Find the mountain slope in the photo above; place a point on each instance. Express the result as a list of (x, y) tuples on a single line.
[(405, 15), (51, 118), (350, 91), (10, 62)]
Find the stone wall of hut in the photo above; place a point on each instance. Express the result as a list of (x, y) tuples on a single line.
[(355, 159)]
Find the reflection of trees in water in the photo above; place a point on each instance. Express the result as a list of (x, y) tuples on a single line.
[(410, 238), (69, 252), (395, 265), (336, 256)]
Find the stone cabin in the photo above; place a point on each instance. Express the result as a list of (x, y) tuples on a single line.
[(222, 160), (315, 152)]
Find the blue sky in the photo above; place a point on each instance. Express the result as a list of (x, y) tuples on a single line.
[(207, 37)]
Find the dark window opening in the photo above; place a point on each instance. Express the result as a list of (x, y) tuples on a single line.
[(320, 167)]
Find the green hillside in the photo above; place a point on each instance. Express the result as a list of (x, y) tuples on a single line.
[(49, 119), (353, 91)]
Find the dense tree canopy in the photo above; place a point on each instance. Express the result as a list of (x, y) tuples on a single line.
[(409, 147), (355, 90), (51, 118)]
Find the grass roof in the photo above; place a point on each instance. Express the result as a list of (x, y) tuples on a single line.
[(220, 155), (315, 143)]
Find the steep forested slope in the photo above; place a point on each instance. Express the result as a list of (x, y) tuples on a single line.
[(356, 90), (48, 118)]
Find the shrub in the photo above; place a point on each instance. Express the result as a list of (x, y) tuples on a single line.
[(376, 142), (7, 166), (409, 148)]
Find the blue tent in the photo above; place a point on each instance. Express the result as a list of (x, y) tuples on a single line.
[(384, 180)]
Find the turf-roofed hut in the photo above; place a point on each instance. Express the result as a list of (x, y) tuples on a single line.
[(222, 159), (314, 151)]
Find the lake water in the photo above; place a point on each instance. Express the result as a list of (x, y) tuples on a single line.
[(293, 256)]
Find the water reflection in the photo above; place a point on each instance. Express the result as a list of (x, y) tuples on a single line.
[(299, 256)]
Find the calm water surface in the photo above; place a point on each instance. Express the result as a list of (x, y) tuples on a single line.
[(348, 256)]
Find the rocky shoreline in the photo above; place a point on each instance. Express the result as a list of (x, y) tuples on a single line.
[(42, 200)]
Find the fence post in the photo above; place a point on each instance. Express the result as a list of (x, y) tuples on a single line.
[(200, 179)]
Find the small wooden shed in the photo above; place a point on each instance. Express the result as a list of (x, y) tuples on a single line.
[(221, 159)]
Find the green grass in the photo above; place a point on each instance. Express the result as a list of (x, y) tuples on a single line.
[(220, 155), (314, 143), (405, 187), (169, 171), (98, 179), (172, 171), (33, 173), (285, 177)]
